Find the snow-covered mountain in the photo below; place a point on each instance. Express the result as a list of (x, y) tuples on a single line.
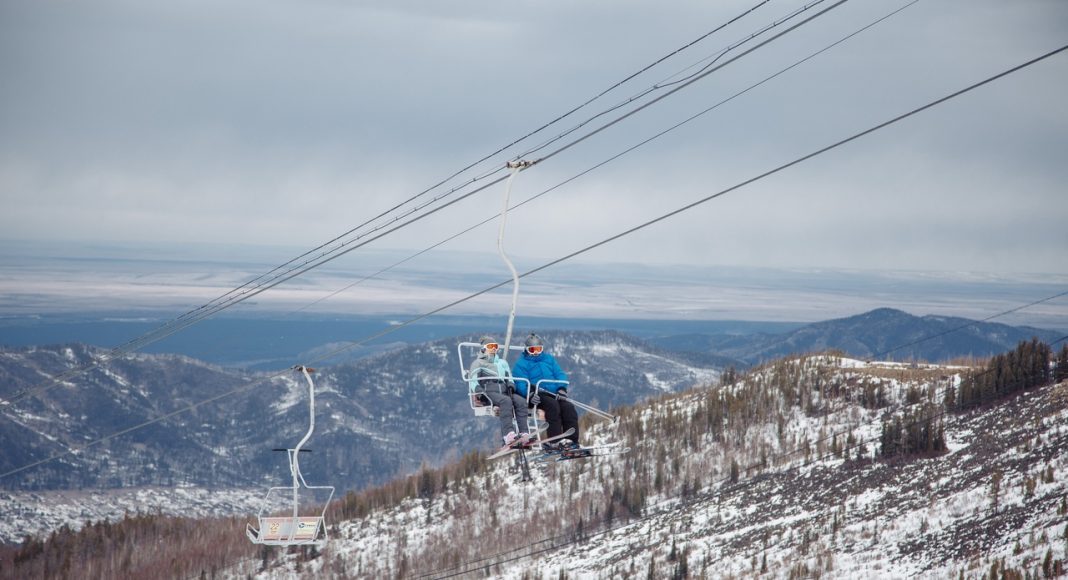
[(884, 333), (373, 415), (783, 474), (820, 466)]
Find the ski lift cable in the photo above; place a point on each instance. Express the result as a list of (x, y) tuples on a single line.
[(250, 288), (701, 73), (252, 283), (215, 307), (585, 249), (613, 157), (491, 172), (797, 161), (290, 274), (21, 395), (622, 153), (604, 92), (524, 137), (567, 538), (713, 58), (495, 170), (744, 183), (842, 142), (837, 144), (689, 82)]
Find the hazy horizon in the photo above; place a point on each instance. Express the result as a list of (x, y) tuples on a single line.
[(113, 279)]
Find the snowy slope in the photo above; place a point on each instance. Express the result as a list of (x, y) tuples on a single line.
[(785, 485)]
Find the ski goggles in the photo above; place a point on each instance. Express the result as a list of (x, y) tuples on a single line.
[(535, 350), (491, 346)]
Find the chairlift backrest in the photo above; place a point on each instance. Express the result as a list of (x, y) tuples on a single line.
[(473, 349)]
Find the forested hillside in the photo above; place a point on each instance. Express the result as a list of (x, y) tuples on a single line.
[(815, 466), (373, 413)]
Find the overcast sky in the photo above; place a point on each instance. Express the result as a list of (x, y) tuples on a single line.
[(290, 122)]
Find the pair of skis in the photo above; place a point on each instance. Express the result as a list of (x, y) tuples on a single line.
[(519, 446), (565, 454), (614, 448)]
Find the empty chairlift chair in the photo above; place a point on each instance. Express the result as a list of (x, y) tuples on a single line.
[(295, 529)]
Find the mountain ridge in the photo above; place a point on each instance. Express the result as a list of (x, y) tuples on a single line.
[(372, 412), (878, 333)]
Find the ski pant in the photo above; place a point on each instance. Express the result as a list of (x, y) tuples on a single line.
[(510, 405), (560, 414)]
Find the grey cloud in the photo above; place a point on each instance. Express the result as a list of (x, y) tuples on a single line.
[(261, 121)]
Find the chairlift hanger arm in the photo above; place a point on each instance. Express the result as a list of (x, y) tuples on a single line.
[(516, 166)]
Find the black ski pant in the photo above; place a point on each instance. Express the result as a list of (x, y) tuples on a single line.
[(560, 414)]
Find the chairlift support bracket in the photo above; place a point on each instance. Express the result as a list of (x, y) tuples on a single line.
[(516, 166)]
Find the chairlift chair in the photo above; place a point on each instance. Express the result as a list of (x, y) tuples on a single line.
[(481, 405), (294, 529)]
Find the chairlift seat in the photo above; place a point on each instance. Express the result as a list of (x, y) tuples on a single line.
[(286, 530), (482, 407)]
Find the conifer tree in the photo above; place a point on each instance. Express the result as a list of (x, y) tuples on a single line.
[(1060, 372), (995, 489)]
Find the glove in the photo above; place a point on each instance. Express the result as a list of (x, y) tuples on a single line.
[(561, 393), (535, 400)]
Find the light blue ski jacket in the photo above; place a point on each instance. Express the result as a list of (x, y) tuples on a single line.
[(487, 365)]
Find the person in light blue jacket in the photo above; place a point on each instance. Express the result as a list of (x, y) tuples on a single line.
[(490, 376), (535, 365)]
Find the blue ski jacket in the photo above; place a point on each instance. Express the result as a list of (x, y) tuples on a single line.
[(535, 368)]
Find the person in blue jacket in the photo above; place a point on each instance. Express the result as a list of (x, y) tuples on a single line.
[(534, 365)]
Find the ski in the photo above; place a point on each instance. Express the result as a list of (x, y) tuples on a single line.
[(508, 449), (580, 452), (613, 448)]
